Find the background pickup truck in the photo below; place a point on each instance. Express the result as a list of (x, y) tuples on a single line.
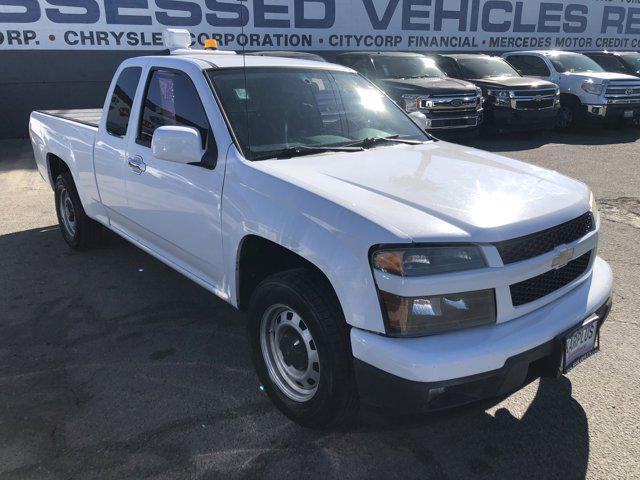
[(416, 83), (512, 102), (587, 91), (376, 265)]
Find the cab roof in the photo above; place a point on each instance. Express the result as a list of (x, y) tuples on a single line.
[(610, 52), (208, 60), (365, 53), (465, 55), (547, 52)]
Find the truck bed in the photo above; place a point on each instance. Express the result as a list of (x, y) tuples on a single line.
[(86, 116)]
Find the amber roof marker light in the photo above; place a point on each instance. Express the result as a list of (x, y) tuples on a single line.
[(211, 44)]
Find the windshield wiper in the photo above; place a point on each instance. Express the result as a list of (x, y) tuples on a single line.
[(370, 142), (420, 76), (301, 151)]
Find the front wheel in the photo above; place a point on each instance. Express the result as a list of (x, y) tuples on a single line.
[(300, 348), (567, 116)]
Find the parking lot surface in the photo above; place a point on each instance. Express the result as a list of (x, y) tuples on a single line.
[(114, 366)]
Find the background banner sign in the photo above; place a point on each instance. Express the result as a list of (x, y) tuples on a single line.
[(323, 24)]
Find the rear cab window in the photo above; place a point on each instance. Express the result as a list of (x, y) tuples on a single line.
[(122, 101), (171, 99)]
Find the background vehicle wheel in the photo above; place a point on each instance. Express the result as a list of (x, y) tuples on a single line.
[(78, 230), (301, 349), (567, 116)]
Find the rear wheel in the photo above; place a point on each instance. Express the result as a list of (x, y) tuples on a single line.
[(78, 230), (300, 348)]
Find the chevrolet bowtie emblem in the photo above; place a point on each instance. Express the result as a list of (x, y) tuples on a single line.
[(563, 257)]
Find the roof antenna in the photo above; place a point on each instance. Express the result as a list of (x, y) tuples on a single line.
[(244, 70)]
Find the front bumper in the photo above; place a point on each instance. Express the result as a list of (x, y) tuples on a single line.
[(612, 113), (452, 121), (430, 373), (509, 119)]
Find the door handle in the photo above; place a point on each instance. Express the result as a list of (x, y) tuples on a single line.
[(136, 164)]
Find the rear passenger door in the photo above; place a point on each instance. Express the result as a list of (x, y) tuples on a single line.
[(110, 151), (174, 208)]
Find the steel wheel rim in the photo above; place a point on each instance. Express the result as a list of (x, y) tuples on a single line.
[(67, 213), (290, 353)]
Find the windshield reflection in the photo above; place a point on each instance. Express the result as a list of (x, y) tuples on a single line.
[(299, 111)]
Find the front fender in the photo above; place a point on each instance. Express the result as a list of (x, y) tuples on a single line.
[(333, 238)]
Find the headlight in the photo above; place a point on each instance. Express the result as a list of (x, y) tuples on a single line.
[(593, 88), (418, 261), (412, 102), (500, 97), (594, 209), (430, 315)]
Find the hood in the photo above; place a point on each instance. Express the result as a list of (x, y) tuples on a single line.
[(426, 85), (513, 82), (602, 76), (439, 191)]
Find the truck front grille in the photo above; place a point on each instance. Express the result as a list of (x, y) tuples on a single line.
[(535, 99), (623, 91), (530, 246), (547, 283), (450, 103)]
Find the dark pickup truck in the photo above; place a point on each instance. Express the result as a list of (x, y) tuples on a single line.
[(512, 102), (415, 82), (618, 62)]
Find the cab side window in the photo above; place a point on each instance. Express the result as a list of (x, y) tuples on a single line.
[(529, 65), (122, 100), (449, 66), (363, 66), (171, 99), (610, 63)]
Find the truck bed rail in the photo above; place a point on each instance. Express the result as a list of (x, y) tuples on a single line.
[(86, 116)]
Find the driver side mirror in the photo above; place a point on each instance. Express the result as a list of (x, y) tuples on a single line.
[(419, 119), (177, 144)]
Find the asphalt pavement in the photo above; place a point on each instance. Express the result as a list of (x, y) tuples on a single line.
[(114, 366)]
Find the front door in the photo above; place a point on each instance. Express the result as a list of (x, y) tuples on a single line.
[(174, 208)]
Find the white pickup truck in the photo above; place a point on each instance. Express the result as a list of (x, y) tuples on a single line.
[(587, 91), (377, 265)]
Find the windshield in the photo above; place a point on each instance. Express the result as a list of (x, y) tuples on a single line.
[(406, 67), (632, 59), (574, 63), (274, 110), (484, 67)]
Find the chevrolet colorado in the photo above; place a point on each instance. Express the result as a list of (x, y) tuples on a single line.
[(418, 85), (587, 91), (376, 264)]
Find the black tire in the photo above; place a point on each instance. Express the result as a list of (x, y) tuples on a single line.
[(568, 116), (335, 401), (85, 232)]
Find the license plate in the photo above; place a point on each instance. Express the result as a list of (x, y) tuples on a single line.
[(581, 343), (628, 113)]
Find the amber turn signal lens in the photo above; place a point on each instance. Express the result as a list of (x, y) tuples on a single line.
[(389, 261)]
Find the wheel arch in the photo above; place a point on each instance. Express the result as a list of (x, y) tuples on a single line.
[(570, 99), (56, 166), (258, 258)]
